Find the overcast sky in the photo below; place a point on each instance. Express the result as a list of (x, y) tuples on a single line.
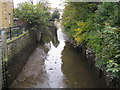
[(54, 3), (18, 1)]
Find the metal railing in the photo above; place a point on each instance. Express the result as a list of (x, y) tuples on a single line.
[(12, 32)]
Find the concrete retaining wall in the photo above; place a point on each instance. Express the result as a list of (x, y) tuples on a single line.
[(18, 52)]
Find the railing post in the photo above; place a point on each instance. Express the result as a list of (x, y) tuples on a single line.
[(100, 73), (10, 34)]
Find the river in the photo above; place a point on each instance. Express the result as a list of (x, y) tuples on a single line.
[(61, 67)]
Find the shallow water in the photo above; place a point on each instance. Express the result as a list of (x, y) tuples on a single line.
[(61, 67)]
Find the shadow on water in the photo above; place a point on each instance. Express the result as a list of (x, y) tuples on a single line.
[(50, 34)]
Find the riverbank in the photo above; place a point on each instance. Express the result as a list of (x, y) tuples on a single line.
[(92, 59), (57, 65), (33, 71)]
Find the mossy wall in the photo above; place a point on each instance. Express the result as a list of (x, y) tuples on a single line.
[(19, 51), (92, 60)]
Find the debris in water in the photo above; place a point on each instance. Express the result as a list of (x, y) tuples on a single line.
[(55, 62), (21, 80), (50, 69), (42, 63), (75, 82)]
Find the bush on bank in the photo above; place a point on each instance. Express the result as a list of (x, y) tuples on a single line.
[(96, 24), (35, 15)]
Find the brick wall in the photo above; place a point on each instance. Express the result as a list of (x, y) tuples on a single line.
[(6, 13)]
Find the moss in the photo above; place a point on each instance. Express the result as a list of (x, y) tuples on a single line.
[(15, 38), (6, 58)]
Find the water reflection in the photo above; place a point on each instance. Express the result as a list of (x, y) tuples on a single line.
[(50, 34), (77, 71), (53, 62), (66, 67)]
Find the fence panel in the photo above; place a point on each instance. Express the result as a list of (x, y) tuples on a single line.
[(7, 33), (15, 31)]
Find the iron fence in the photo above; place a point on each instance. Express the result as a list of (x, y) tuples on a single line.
[(12, 32), (9, 33)]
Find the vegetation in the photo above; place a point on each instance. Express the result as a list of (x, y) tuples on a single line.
[(97, 25), (55, 14), (36, 15)]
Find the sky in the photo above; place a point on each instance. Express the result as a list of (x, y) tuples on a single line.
[(18, 1), (54, 3)]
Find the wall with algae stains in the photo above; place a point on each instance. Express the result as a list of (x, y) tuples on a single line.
[(18, 51)]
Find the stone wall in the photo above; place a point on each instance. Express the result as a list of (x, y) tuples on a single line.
[(0, 15), (18, 52)]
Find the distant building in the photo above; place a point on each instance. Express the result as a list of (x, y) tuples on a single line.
[(6, 13)]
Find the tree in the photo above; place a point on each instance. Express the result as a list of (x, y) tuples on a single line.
[(97, 25), (35, 15), (56, 14)]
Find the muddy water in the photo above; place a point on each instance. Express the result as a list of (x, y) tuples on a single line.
[(78, 71), (60, 67)]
